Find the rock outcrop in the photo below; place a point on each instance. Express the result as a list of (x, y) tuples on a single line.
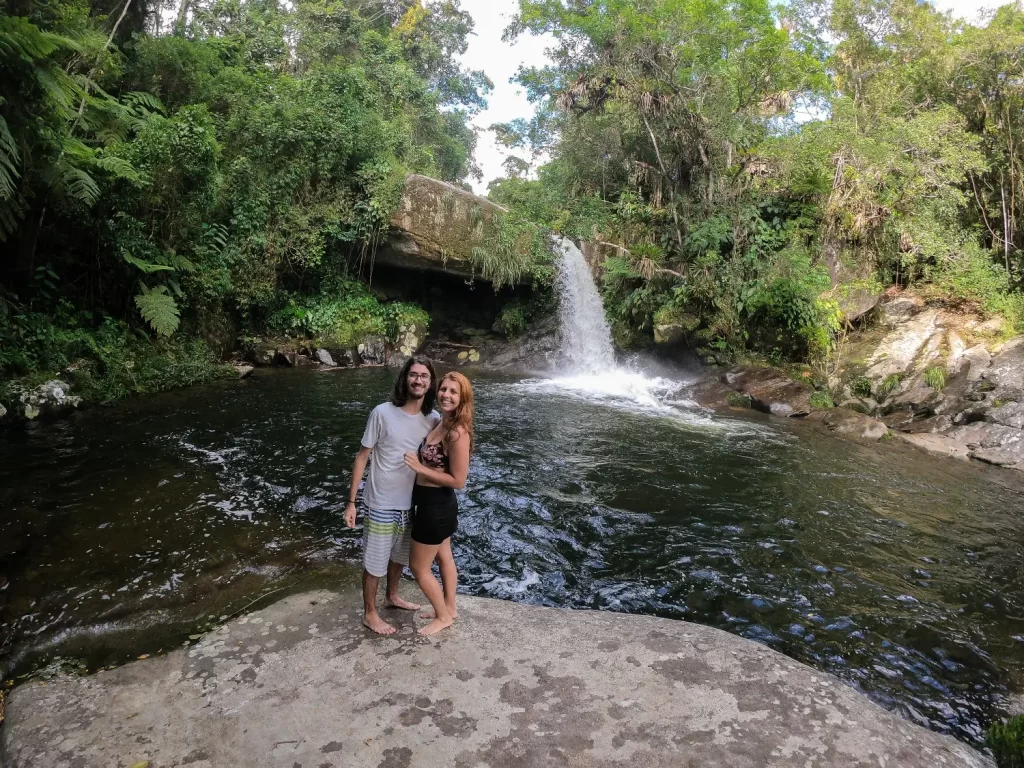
[(436, 228), (303, 683), (770, 390), (930, 371)]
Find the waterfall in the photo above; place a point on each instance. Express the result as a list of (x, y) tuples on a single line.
[(585, 334), (588, 366)]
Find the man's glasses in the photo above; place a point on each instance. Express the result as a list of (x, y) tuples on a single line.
[(423, 376)]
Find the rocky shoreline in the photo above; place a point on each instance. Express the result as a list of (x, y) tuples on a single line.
[(912, 376), (940, 380)]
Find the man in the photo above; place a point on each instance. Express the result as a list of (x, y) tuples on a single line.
[(393, 429)]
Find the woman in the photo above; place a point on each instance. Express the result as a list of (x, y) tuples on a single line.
[(441, 466)]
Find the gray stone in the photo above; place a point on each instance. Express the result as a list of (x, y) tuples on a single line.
[(436, 228), (373, 351), (263, 353), (898, 310), (853, 424), (284, 358), (855, 302), (771, 391), (1008, 414), (943, 445), (1007, 367), (244, 371), (304, 361), (993, 443), (324, 358), (302, 683), (979, 359), (905, 346), (3, 411), (52, 398)]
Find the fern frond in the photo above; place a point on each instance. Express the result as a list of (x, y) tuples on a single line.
[(10, 157), (79, 184), (159, 309), (148, 267), (117, 166), (145, 100)]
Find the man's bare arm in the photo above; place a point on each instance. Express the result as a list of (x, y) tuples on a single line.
[(358, 468)]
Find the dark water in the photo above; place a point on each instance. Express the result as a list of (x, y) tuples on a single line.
[(123, 530)]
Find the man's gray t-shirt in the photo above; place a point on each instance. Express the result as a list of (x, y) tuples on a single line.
[(391, 433)]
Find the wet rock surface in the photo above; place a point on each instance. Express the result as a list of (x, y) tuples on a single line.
[(301, 684), (770, 390)]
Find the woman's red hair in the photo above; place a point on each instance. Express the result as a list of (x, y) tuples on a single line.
[(463, 416)]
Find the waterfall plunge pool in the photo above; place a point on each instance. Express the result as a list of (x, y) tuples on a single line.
[(124, 530)]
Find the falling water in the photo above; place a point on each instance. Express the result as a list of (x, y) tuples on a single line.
[(588, 367), (586, 336)]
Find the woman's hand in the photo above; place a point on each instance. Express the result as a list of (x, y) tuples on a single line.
[(412, 461)]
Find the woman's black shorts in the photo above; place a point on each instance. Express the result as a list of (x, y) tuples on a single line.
[(435, 514)]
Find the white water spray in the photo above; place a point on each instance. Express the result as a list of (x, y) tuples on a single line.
[(588, 365), (586, 336)]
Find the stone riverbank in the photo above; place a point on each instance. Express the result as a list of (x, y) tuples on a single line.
[(300, 684)]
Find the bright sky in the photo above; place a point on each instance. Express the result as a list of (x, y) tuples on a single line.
[(501, 62)]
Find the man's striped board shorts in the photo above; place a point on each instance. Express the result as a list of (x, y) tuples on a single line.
[(386, 537)]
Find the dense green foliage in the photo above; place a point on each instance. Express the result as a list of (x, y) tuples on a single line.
[(748, 163), (234, 171), (1006, 740)]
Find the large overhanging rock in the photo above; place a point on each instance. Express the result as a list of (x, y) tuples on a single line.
[(437, 227)]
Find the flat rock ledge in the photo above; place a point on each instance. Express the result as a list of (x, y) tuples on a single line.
[(301, 684)]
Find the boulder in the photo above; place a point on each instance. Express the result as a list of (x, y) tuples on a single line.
[(324, 358), (3, 411), (285, 359), (900, 309), (437, 227), (373, 351), (410, 338), (977, 360), (263, 353), (304, 361), (856, 301), (244, 371), (912, 343), (671, 326), (48, 399), (1007, 367), (992, 443), (1007, 415), (771, 391), (942, 445), (853, 424)]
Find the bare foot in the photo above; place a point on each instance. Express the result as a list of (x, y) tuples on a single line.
[(376, 624), (436, 626), (397, 602), (429, 614)]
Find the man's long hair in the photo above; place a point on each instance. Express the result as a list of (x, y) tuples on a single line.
[(400, 396), (463, 416)]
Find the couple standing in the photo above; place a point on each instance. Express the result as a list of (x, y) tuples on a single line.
[(418, 458)]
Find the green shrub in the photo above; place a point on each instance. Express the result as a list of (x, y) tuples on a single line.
[(346, 319), (861, 386), (104, 362), (822, 400), (512, 320), (935, 377), (737, 399), (890, 384), (1006, 740)]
